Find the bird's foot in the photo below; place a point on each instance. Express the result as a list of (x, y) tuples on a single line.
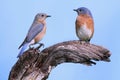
[(40, 45), (87, 42), (31, 46), (84, 43)]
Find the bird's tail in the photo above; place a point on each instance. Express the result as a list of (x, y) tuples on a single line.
[(22, 49)]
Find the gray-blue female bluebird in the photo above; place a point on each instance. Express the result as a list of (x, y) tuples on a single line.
[(35, 33)]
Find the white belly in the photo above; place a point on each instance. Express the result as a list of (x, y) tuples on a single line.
[(84, 33)]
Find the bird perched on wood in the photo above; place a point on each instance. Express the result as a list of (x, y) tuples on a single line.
[(84, 24), (35, 33)]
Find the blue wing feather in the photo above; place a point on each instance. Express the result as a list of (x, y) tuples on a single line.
[(22, 49), (34, 30)]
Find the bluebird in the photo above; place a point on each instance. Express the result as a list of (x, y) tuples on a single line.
[(84, 24), (35, 33)]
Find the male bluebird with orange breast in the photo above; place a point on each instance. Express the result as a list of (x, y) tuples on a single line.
[(35, 33), (84, 24)]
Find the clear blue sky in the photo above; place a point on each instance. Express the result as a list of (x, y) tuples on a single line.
[(16, 16)]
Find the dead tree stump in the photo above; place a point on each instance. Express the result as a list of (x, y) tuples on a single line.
[(37, 65)]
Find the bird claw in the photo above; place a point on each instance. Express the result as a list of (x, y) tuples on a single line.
[(86, 43), (40, 45), (30, 46)]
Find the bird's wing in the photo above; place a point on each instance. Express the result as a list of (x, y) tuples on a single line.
[(34, 30)]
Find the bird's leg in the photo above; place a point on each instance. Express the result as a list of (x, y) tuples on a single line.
[(40, 45), (85, 42), (82, 42), (30, 46)]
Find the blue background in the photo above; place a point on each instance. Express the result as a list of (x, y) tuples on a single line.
[(16, 17)]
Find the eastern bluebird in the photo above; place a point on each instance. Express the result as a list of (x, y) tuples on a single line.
[(84, 24), (35, 33)]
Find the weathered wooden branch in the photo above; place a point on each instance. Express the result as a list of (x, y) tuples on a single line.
[(36, 65)]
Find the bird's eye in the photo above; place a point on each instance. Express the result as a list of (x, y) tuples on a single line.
[(42, 15), (80, 10)]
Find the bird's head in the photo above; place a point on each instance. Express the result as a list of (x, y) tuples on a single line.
[(83, 11), (41, 17)]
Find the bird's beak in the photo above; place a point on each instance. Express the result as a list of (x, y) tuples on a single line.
[(48, 15), (75, 10)]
